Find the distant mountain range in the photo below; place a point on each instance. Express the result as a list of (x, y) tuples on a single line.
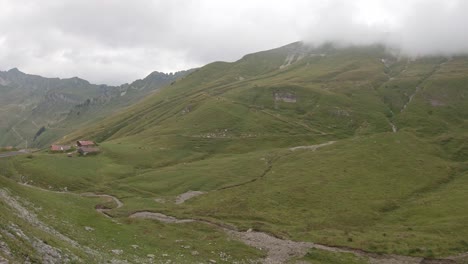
[(36, 110)]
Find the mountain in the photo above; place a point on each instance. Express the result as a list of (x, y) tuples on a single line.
[(358, 150), (38, 110), (298, 90)]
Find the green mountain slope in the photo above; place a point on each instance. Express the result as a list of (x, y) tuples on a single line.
[(350, 147), (38, 110)]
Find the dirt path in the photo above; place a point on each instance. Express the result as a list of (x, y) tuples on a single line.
[(272, 160), (278, 250), (160, 217), (11, 154), (281, 250), (35, 124), (105, 211), (109, 197), (17, 134), (312, 147)]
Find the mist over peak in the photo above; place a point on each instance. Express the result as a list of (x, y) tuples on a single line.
[(114, 42), (414, 28)]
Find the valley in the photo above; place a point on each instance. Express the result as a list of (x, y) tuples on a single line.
[(35, 110), (298, 154)]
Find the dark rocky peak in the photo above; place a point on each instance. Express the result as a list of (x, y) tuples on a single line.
[(15, 71)]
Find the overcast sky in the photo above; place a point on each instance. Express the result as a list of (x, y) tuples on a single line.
[(118, 41)]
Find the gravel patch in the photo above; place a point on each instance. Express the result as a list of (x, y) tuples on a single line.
[(160, 217), (188, 195)]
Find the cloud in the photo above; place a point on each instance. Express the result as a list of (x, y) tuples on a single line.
[(116, 41), (416, 28)]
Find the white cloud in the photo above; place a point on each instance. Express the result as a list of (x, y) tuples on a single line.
[(116, 41)]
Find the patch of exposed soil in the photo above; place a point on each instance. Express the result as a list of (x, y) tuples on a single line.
[(282, 250), (312, 147), (160, 217), (159, 200), (278, 250), (186, 196)]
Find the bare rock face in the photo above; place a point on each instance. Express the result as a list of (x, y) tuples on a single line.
[(286, 97), (117, 251)]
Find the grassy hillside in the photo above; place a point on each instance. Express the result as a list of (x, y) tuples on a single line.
[(42, 226), (36, 111), (350, 147)]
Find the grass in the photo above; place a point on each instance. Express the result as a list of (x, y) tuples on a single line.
[(69, 214), (303, 196), (30, 102), (324, 257), (215, 132)]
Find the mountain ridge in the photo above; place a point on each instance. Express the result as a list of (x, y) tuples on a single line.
[(45, 102), (353, 148)]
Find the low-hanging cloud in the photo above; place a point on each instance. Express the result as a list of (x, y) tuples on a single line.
[(415, 28), (115, 41)]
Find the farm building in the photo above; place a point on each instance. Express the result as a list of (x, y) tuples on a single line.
[(59, 148), (85, 143), (88, 150)]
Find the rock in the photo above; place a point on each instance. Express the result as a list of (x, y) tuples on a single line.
[(187, 195), (159, 200), (212, 261), (165, 255), (135, 246), (88, 228), (117, 251), (194, 253), (151, 256)]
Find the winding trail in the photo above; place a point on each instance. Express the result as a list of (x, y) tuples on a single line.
[(17, 134), (272, 160), (160, 217), (12, 153), (278, 250), (313, 147), (102, 210), (282, 250), (110, 197)]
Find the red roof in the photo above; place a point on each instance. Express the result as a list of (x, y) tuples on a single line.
[(85, 143)]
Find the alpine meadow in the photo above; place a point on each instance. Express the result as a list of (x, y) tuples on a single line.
[(304, 153)]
